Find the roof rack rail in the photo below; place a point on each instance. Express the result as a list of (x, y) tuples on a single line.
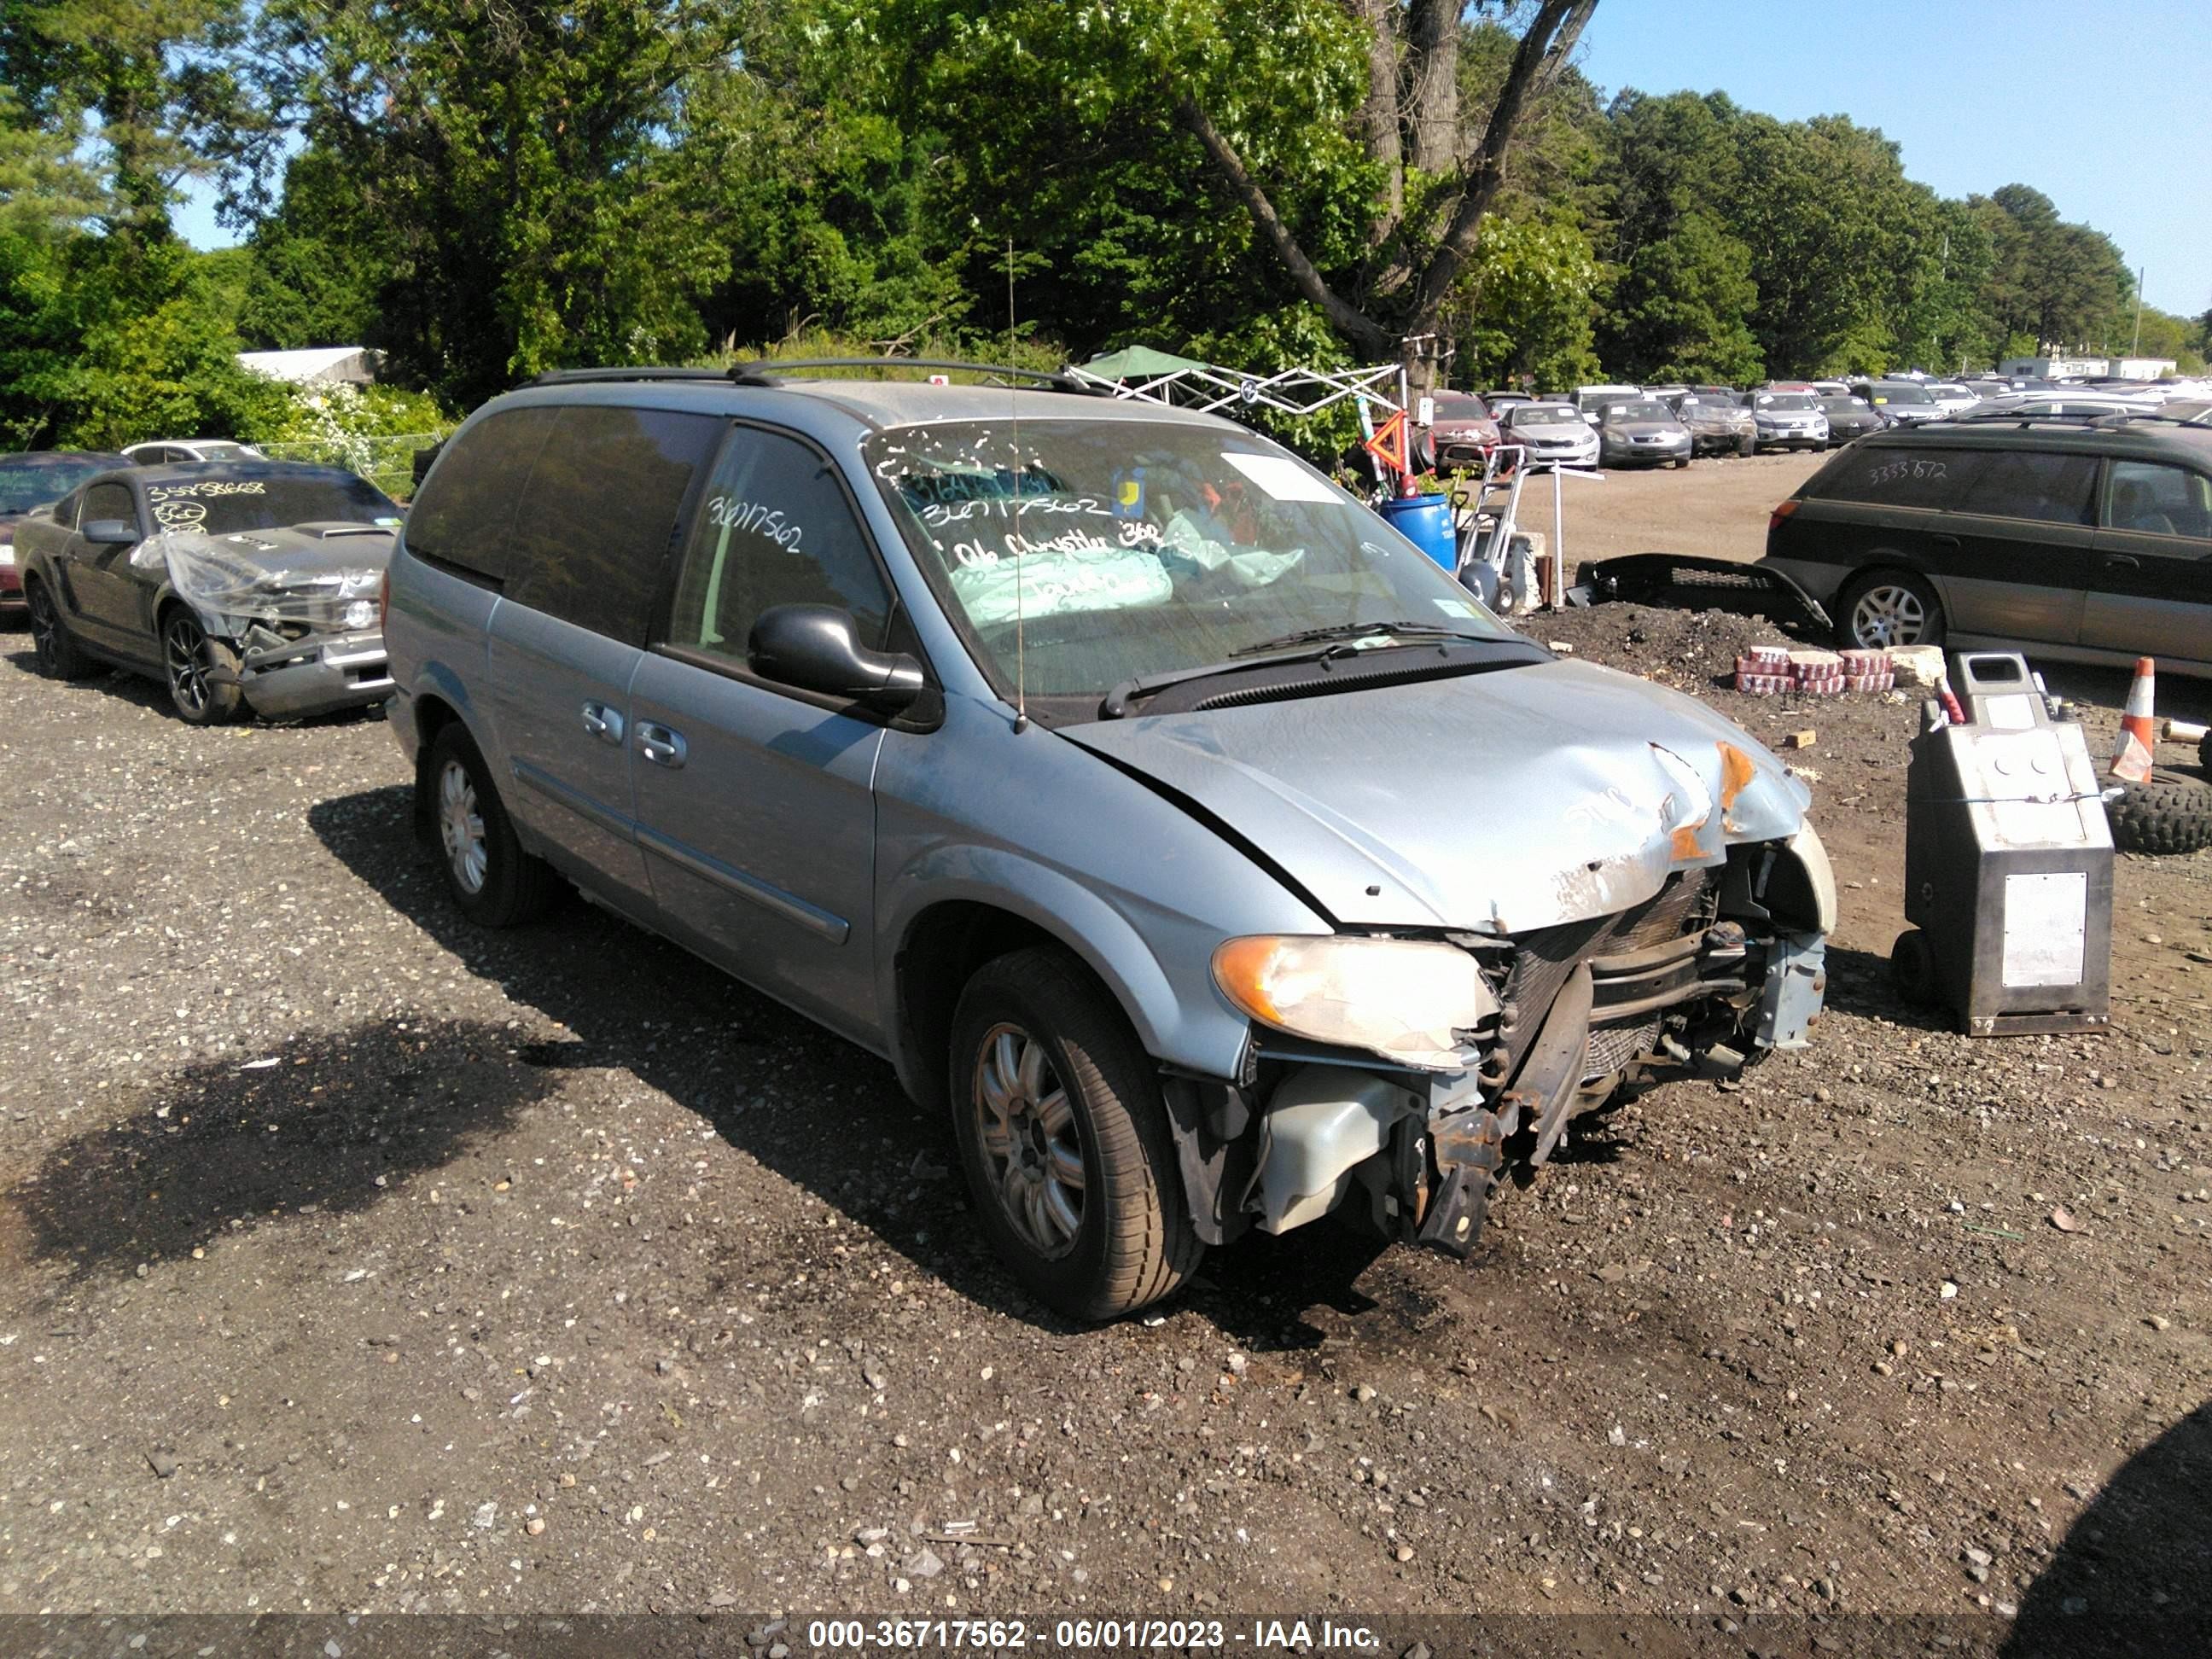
[(635, 372), (770, 371)]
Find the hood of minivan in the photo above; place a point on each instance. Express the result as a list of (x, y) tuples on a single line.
[(1495, 802)]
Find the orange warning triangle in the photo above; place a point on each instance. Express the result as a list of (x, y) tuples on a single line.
[(1388, 444)]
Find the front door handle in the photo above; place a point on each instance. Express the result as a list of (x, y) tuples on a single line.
[(2121, 562), (1948, 543), (604, 723), (661, 744)]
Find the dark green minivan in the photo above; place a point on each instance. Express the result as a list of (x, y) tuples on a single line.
[(2086, 540)]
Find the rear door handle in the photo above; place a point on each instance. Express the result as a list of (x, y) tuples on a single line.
[(661, 744), (604, 723), (2121, 562), (1948, 543)]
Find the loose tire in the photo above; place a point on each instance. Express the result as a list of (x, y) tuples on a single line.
[(2171, 814), (1912, 968), (494, 881), (202, 673), (1747, 446), (58, 654), (1065, 1139), (1886, 608)]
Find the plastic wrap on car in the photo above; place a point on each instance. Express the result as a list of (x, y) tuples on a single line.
[(225, 577)]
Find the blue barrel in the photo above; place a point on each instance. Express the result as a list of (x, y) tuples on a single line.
[(1426, 521)]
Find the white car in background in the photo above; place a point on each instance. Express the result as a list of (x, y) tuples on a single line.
[(1952, 398), (168, 451)]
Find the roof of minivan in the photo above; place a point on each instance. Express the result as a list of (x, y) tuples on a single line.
[(876, 403)]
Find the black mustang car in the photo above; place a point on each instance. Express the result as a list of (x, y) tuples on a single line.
[(248, 583)]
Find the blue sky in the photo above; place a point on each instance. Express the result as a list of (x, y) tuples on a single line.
[(2104, 108)]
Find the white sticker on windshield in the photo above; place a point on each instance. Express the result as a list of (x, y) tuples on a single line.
[(1283, 478), (1455, 607)]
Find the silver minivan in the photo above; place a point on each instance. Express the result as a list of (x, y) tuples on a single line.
[(1193, 839)]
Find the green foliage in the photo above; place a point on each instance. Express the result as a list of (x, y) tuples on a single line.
[(1523, 311)]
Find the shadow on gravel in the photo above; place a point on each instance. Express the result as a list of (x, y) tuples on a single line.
[(234, 1141), (817, 1110), (1859, 984), (2134, 1576)]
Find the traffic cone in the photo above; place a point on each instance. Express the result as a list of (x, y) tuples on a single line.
[(2138, 726)]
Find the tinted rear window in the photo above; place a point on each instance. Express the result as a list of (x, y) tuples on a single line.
[(2025, 484), (1900, 478), (595, 523), (465, 511)]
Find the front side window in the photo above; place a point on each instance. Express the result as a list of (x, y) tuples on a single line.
[(2020, 484), (110, 501), (774, 526), (1079, 554), (2157, 499)]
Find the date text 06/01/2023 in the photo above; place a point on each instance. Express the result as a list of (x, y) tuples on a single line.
[(1090, 1635)]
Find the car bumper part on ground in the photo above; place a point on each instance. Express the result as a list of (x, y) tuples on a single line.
[(316, 676)]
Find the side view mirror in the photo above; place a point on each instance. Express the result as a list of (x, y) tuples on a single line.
[(816, 648), (110, 532)]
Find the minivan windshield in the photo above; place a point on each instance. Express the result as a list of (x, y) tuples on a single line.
[(1101, 551)]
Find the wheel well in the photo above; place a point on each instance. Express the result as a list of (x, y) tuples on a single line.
[(433, 714), (939, 955)]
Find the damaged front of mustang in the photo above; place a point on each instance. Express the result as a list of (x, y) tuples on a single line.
[(1546, 884)]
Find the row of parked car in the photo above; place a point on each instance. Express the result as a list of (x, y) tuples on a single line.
[(1054, 747), (1614, 426)]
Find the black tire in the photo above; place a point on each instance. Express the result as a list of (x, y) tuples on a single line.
[(494, 881), (1132, 1241), (1912, 968), (59, 656), (2171, 814), (201, 673), (2204, 754), (1746, 446), (1915, 614)]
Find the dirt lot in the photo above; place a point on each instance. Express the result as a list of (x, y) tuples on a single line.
[(351, 1260), (1717, 506)]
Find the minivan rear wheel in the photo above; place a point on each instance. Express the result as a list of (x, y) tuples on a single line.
[(1887, 608), (1065, 1139), (494, 881)]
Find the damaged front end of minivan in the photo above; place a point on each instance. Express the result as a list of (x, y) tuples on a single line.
[(296, 605), (1396, 1074)]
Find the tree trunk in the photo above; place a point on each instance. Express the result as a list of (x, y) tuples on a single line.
[(1432, 34), (1378, 116)]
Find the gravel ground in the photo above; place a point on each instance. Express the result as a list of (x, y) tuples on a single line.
[(351, 1260), (1717, 506)]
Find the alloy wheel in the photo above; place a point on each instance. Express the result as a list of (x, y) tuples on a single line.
[(1028, 1131), (45, 626), (184, 649), (1888, 615), (461, 828)]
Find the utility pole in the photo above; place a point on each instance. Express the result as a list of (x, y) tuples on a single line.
[(2135, 350)]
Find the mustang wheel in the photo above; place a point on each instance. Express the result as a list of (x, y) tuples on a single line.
[(1889, 608), (1065, 1138), (202, 672), (496, 883), (58, 655)]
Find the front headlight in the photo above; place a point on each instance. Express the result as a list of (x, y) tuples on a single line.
[(1406, 999), (7, 556)]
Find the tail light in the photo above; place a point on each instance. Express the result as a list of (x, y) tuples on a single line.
[(1774, 519), (384, 601)]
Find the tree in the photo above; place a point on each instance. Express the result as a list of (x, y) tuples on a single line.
[(2058, 284)]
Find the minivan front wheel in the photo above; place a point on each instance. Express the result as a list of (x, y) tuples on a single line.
[(1065, 1139), (1887, 608), (494, 881)]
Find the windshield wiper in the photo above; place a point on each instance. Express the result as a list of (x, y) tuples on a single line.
[(1309, 644), (1346, 631)]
